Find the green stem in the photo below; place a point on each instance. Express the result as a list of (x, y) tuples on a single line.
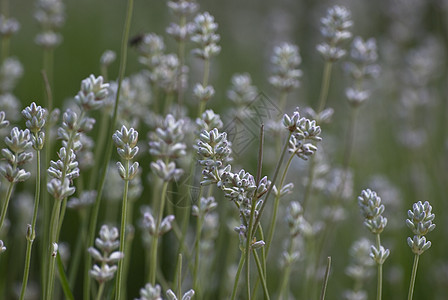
[(249, 244), (6, 203), (414, 274), (274, 178), (327, 275), (199, 223), (122, 232), (179, 276), (325, 86), (108, 153), (205, 78), (276, 204), (5, 48), (100, 291), (53, 239), (286, 272), (261, 275), (237, 276), (181, 54), (32, 235), (350, 139), (80, 241), (153, 265), (380, 272)]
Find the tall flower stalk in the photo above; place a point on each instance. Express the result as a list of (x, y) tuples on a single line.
[(35, 117), (372, 210), (126, 142), (421, 223)]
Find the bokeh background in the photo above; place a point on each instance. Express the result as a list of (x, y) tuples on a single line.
[(401, 141)]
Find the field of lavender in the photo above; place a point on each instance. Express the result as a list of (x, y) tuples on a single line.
[(253, 149)]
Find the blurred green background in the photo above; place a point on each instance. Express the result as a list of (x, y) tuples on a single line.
[(416, 166)]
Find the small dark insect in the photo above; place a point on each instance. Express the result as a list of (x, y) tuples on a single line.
[(136, 40)]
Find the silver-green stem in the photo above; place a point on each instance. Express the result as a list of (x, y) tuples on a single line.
[(155, 241), (122, 232), (6, 203), (261, 275), (100, 291), (30, 238), (202, 104), (108, 149), (380, 271), (325, 86), (286, 272), (413, 276), (327, 275), (237, 276)]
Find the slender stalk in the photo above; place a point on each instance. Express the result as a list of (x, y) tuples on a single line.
[(5, 48), (199, 224), (276, 204), (122, 232), (53, 239), (75, 259), (286, 273), (413, 276), (237, 276), (204, 84), (32, 235), (6, 203), (179, 276), (100, 291), (327, 275), (380, 272), (261, 275), (325, 86), (181, 55), (108, 149), (274, 178), (155, 241)]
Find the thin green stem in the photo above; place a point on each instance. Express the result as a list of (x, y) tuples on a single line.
[(276, 204), (350, 139), (5, 48), (6, 203), (237, 276), (325, 86), (179, 276), (199, 223), (155, 241), (80, 241), (327, 275), (108, 149), (53, 239), (100, 291), (181, 55), (205, 78), (286, 272), (261, 275), (274, 178), (32, 234), (413, 276), (122, 232), (380, 272)]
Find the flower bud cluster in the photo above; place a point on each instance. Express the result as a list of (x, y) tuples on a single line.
[(203, 93), (421, 223), (362, 67), (296, 222), (303, 133), (286, 60), (50, 16), (213, 153), (187, 296), (150, 293), (3, 122), (150, 47), (92, 94), (126, 142), (105, 254), (61, 174), (335, 29), (166, 73), (16, 155), (204, 206), (372, 210), (166, 142), (107, 58), (242, 92), (86, 199), (8, 26), (10, 72), (154, 229), (204, 35), (360, 267), (36, 117), (209, 120)]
